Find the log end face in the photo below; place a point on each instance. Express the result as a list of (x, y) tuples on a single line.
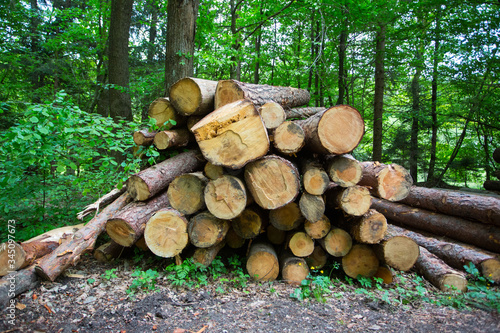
[(337, 242), (401, 252), (12, 257), (185, 96), (166, 233), (227, 91), (138, 189), (361, 260), (294, 270), (394, 183), (490, 268), (355, 200), (119, 231), (289, 138), (272, 115), (162, 110), (263, 266), (453, 281)]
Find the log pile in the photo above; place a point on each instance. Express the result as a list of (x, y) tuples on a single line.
[(260, 174)]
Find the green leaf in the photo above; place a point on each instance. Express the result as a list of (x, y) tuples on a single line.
[(34, 120), (61, 168)]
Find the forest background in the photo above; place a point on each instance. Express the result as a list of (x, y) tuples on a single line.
[(77, 78)]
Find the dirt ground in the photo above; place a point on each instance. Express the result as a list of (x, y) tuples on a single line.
[(73, 304)]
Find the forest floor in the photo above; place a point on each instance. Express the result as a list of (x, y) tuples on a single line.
[(85, 300)]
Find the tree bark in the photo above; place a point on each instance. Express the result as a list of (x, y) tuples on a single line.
[(344, 170), (144, 137), (14, 256), (206, 230), (186, 193), (361, 260), (262, 262), (312, 207), (272, 115), (318, 229), (287, 217), (17, 283), (369, 228), (193, 97), (293, 269), (166, 233), (289, 138), (226, 197), (303, 113), (354, 200), (314, 177), (337, 242), (415, 116), (172, 138), (391, 182), (378, 99)]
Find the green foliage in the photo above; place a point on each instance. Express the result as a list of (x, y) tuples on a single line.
[(315, 286), (189, 274), (109, 274), (145, 281)]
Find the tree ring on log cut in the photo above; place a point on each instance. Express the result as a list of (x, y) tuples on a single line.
[(333, 125), (286, 218), (400, 252), (162, 111), (120, 232), (166, 233), (137, 188), (185, 193), (454, 281), (272, 115), (262, 263), (490, 268), (337, 242), (248, 224), (206, 230), (355, 200), (394, 183), (289, 138), (225, 197), (361, 260), (185, 96), (301, 244)]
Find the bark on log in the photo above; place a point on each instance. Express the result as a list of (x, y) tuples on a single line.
[(108, 251), (273, 181), (226, 197), (229, 91), (361, 260), (390, 182), (155, 179), (303, 113), (301, 244), (478, 234), (272, 115), (287, 217), (369, 228), (293, 269), (262, 262), (455, 254), (206, 230), (172, 138), (192, 96), (482, 208), (318, 258), (337, 130), (127, 226), (205, 256), (337, 242), (289, 138), (186, 193), (354, 200), (14, 256), (162, 111), (144, 137), (233, 240), (439, 273), (232, 135), (312, 207), (398, 252), (166, 233), (314, 177), (68, 253), (15, 284), (101, 202), (318, 229), (248, 224), (344, 170), (492, 185)]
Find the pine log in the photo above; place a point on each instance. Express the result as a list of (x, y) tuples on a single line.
[(272, 115), (337, 130), (337, 242), (301, 244), (275, 235), (52, 265), (186, 193), (344, 170), (191, 96), (398, 252), (391, 182), (205, 256), (354, 200), (229, 91), (14, 256), (232, 135), (287, 217), (127, 226), (162, 111), (213, 171), (15, 284), (492, 185), (166, 233), (226, 197), (457, 255), (360, 261), (273, 181), (172, 138), (496, 155), (155, 179), (312, 207), (385, 273), (439, 273), (248, 224), (293, 269), (369, 228), (318, 258), (318, 229), (482, 208), (262, 262), (101, 202), (144, 137), (233, 240), (108, 251), (478, 234), (206, 230), (314, 177), (289, 138), (303, 113)]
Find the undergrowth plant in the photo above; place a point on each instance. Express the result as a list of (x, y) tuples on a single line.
[(145, 281)]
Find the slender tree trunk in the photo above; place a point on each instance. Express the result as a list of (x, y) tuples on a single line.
[(299, 40), (258, 39), (235, 69), (313, 49), (378, 99), (415, 115), (342, 57), (153, 7)]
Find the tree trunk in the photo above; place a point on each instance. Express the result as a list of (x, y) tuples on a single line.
[(337, 130), (301, 244), (226, 197), (303, 113), (318, 229), (205, 256), (391, 182), (378, 99), (262, 262), (144, 138), (361, 260), (482, 208), (293, 269), (312, 207), (229, 91), (344, 170), (248, 224), (272, 115), (206, 230), (153, 180), (172, 138), (69, 252), (162, 111), (14, 256), (225, 135), (15, 284), (193, 97), (342, 56), (314, 177), (337, 242), (166, 233), (186, 193), (496, 155), (369, 228), (481, 235), (287, 217), (151, 52), (354, 200), (289, 138), (415, 116)]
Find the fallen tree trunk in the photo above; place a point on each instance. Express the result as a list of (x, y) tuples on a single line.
[(109, 251), (482, 235), (303, 113), (192, 96), (166, 233), (391, 182), (15, 284), (68, 253), (101, 202)]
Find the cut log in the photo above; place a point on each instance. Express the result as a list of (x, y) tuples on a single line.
[(478, 234), (206, 230), (213, 171), (369, 228), (109, 251), (155, 179), (248, 224), (439, 273), (337, 242), (293, 269), (172, 138), (127, 226), (273, 181), (274, 235), (337, 130), (289, 138), (360, 261), (391, 182), (232, 135), (312, 207), (272, 115), (205, 256), (15, 284), (226, 197), (318, 229), (166, 233), (344, 170), (314, 177), (455, 254), (482, 208), (301, 244), (354, 200), (398, 252), (191, 96), (318, 258), (496, 155), (385, 273), (14, 256), (186, 193), (68, 253), (101, 202), (492, 185), (162, 111), (144, 137), (287, 217), (262, 262), (229, 91), (233, 240), (303, 113)]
